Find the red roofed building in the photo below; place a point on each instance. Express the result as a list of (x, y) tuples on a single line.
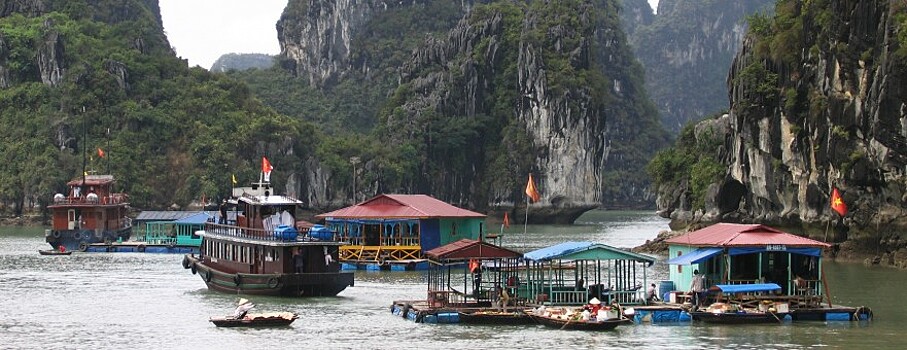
[(747, 253), (394, 229)]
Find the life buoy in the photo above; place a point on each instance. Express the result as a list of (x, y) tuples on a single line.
[(273, 282), (193, 268), (83, 246), (77, 235), (140, 248), (56, 234), (185, 262), (237, 280)]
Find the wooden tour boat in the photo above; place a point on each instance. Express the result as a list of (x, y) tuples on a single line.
[(733, 313), (274, 319), (89, 213), (575, 322), (262, 253)]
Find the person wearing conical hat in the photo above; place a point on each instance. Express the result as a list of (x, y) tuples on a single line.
[(243, 307), (594, 305)]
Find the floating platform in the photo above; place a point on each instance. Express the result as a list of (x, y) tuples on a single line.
[(419, 311), (387, 265), (139, 247), (667, 313)]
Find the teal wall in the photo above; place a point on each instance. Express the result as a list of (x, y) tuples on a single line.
[(453, 230), (684, 277)]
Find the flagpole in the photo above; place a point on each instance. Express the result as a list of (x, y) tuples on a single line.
[(527, 215)]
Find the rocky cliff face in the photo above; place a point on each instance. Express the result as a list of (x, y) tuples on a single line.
[(686, 51), (817, 101), (242, 61), (546, 88)]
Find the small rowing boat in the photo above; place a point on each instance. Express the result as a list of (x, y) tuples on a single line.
[(273, 319), (575, 322), (54, 252)]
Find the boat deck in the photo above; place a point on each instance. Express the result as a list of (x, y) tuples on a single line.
[(420, 311)]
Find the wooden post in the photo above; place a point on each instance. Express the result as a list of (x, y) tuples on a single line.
[(825, 286)]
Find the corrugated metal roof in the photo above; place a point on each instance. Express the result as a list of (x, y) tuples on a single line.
[(199, 218), (585, 251), (728, 235), (465, 249), (151, 215), (402, 206)]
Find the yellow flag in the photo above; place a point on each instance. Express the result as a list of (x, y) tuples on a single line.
[(234, 178)]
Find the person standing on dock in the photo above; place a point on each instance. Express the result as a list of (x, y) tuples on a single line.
[(476, 268), (698, 288)]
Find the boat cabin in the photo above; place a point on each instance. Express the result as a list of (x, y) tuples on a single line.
[(398, 228), (90, 204)]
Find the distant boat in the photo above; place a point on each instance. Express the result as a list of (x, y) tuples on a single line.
[(256, 320), (89, 213), (257, 254), (54, 252)]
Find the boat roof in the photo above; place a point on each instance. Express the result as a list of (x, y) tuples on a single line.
[(92, 180), (466, 249), (748, 288), (730, 235), (170, 215), (401, 206), (268, 242), (274, 199), (585, 251)]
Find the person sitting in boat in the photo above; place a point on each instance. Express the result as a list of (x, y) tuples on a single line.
[(242, 308), (62, 249)]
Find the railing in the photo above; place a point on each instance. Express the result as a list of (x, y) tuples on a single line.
[(802, 287), (115, 198), (248, 233)]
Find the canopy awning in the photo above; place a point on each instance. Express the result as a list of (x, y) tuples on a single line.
[(695, 257), (585, 251), (747, 288)]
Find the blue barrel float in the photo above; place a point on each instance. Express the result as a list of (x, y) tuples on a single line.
[(322, 233), (286, 233)]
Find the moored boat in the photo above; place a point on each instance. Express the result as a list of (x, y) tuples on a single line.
[(89, 213), (54, 252), (262, 253), (739, 317), (274, 319), (575, 321)]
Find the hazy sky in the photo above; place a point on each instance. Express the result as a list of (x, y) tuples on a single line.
[(203, 30)]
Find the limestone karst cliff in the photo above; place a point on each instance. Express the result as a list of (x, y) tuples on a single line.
[(817, 101), (510, 88), (686, 50)]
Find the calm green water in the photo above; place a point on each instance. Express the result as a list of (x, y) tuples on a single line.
[(148, 301)]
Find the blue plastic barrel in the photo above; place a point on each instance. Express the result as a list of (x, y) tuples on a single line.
[(286, 233), (321, 233), (664, 287)]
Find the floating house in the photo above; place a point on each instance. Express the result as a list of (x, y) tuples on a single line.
[(737, 254), (572, 273), (462, 295), (392, 231)]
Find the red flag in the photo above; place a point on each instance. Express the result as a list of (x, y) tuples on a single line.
[(531, 191), (473, 265), (101, 152), (266, 165), (506, 220), (837, 204)]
